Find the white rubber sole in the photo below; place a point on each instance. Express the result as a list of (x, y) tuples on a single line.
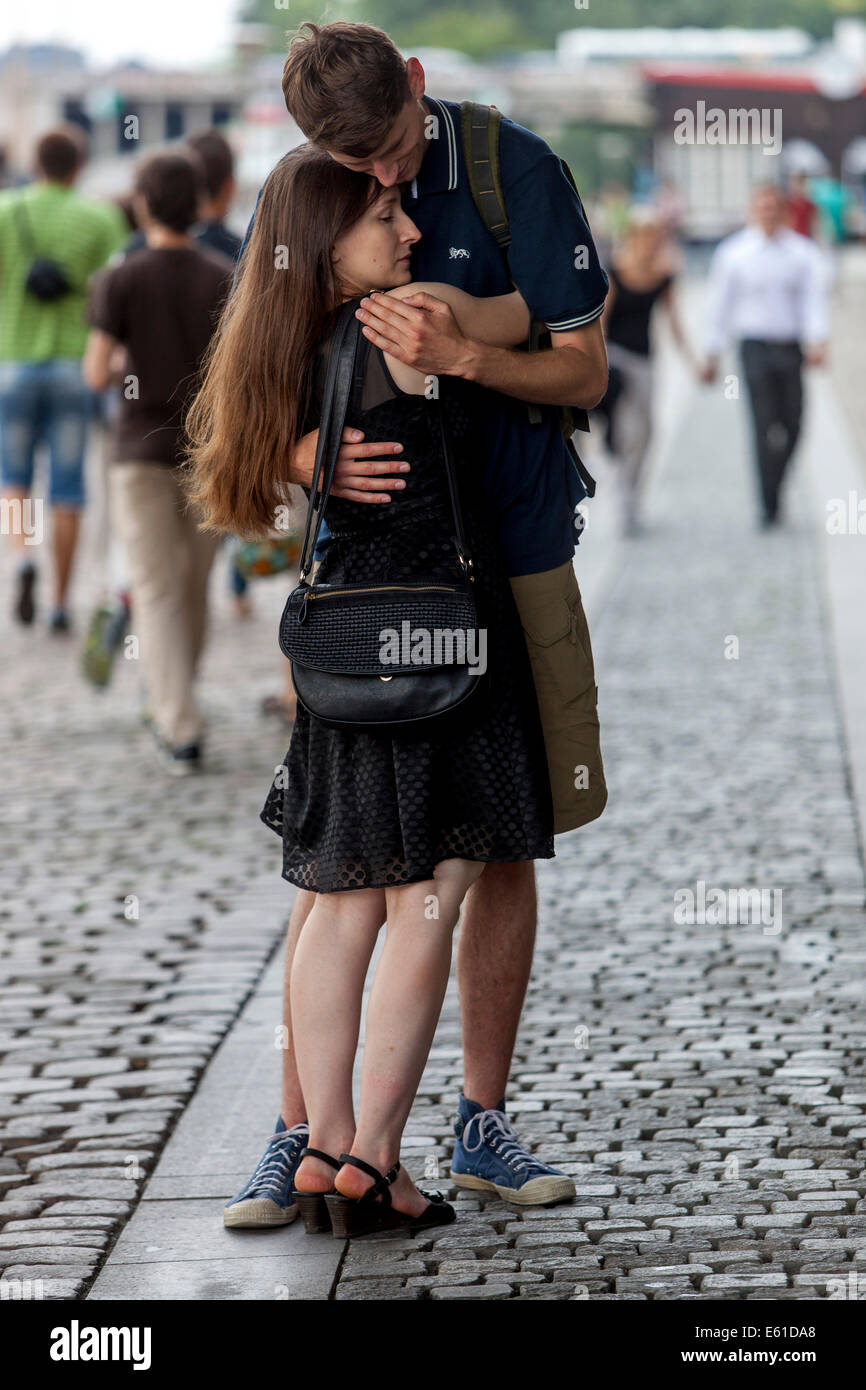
[(259, 1212), (538, 1192)]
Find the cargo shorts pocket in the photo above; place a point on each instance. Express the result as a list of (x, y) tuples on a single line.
[(557, 637), (560, 653)]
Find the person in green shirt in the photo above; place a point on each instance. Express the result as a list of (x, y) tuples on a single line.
[(52, 240)]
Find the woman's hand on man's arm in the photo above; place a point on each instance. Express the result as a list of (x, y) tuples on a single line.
[(361, 475)]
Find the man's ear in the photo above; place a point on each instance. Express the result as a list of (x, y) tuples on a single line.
[(417, 80)]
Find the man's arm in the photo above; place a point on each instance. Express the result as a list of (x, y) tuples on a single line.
[(500, 319), (363, 472), (423, 332), (720, 297), (552, 261), (816, 322), (96, 364)]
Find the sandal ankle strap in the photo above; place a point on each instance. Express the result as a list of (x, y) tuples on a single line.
[(320, 1153), (382, 1181)]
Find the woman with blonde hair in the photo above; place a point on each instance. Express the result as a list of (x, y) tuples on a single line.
[(642, 272)]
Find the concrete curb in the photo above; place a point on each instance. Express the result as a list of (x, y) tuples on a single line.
[(175, 1246)]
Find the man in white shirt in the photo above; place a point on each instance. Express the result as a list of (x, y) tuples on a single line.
[(768, 290)]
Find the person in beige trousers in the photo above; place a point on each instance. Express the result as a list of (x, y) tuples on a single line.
[(158, 309)]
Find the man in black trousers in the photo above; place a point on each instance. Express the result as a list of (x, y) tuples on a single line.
[(768, 289)]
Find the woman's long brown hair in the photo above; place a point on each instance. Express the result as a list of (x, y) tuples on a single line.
[(258, 375)]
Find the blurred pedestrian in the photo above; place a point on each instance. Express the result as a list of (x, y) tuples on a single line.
[(801, 211), (642, 273), (768, 290), (161, 304), (10, 177), (832, 200), (110, 614), (51, 242), (218, 163)]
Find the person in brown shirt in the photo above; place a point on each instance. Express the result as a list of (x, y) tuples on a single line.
[(156, 311)]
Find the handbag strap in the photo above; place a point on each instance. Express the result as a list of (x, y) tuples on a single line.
[(335, 401), (339, 376)]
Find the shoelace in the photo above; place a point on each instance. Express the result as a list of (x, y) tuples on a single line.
[(494, 1130), (273, 1168)]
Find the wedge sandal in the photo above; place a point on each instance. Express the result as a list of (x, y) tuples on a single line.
[(312, 1205)]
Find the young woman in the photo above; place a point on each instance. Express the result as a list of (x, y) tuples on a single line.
[(642, 271), (381, 828)]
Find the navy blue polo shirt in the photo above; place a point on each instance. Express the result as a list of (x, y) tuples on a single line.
[(529, 474)]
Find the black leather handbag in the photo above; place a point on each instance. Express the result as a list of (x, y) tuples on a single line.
[(387, 657)]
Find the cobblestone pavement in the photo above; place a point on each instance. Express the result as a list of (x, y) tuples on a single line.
[(704, 1084), (137, 914)]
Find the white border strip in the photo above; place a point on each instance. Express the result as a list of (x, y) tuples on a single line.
[(835, 471)]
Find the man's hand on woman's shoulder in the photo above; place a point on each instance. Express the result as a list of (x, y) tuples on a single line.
[(419, 330)]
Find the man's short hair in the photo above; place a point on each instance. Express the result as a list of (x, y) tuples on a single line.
[(171, 185), (61, 152), (345, 85), (218, 161)]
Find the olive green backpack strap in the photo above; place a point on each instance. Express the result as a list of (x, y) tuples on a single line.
[(479, 127)]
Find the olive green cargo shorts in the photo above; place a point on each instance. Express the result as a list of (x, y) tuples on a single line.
[(560, 651)]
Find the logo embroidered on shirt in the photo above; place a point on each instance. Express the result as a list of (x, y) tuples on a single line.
[(457, 252)]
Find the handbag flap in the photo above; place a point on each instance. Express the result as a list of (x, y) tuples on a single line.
[(384, 630)]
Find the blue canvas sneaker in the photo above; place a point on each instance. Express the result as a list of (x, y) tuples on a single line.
[(268, 1199), (488, 1157)]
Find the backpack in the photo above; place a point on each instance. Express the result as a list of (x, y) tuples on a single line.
[(479, 128)]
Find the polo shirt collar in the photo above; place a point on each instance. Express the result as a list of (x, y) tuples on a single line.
[(438, 173)]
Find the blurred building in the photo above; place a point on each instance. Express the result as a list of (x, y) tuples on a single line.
[(611, 96), (820, 95)]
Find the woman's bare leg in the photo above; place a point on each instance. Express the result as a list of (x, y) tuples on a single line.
[(402, 1013), (327, 985)]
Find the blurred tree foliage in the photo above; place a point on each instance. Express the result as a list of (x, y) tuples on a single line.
[(487, 28)]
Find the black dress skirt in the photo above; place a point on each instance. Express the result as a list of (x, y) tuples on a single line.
[(368, 810)]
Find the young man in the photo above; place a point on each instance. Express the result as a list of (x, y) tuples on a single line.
[(768, 289), (161, 305), (43, 397), (354, 95)]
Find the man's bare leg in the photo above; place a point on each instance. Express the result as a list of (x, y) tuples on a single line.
[(493, 966), (66, 523), (494, 960)]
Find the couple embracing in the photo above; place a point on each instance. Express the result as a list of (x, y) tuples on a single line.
[(381, 210)]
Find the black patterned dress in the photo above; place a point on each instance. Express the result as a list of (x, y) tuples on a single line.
[(368, 810)]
